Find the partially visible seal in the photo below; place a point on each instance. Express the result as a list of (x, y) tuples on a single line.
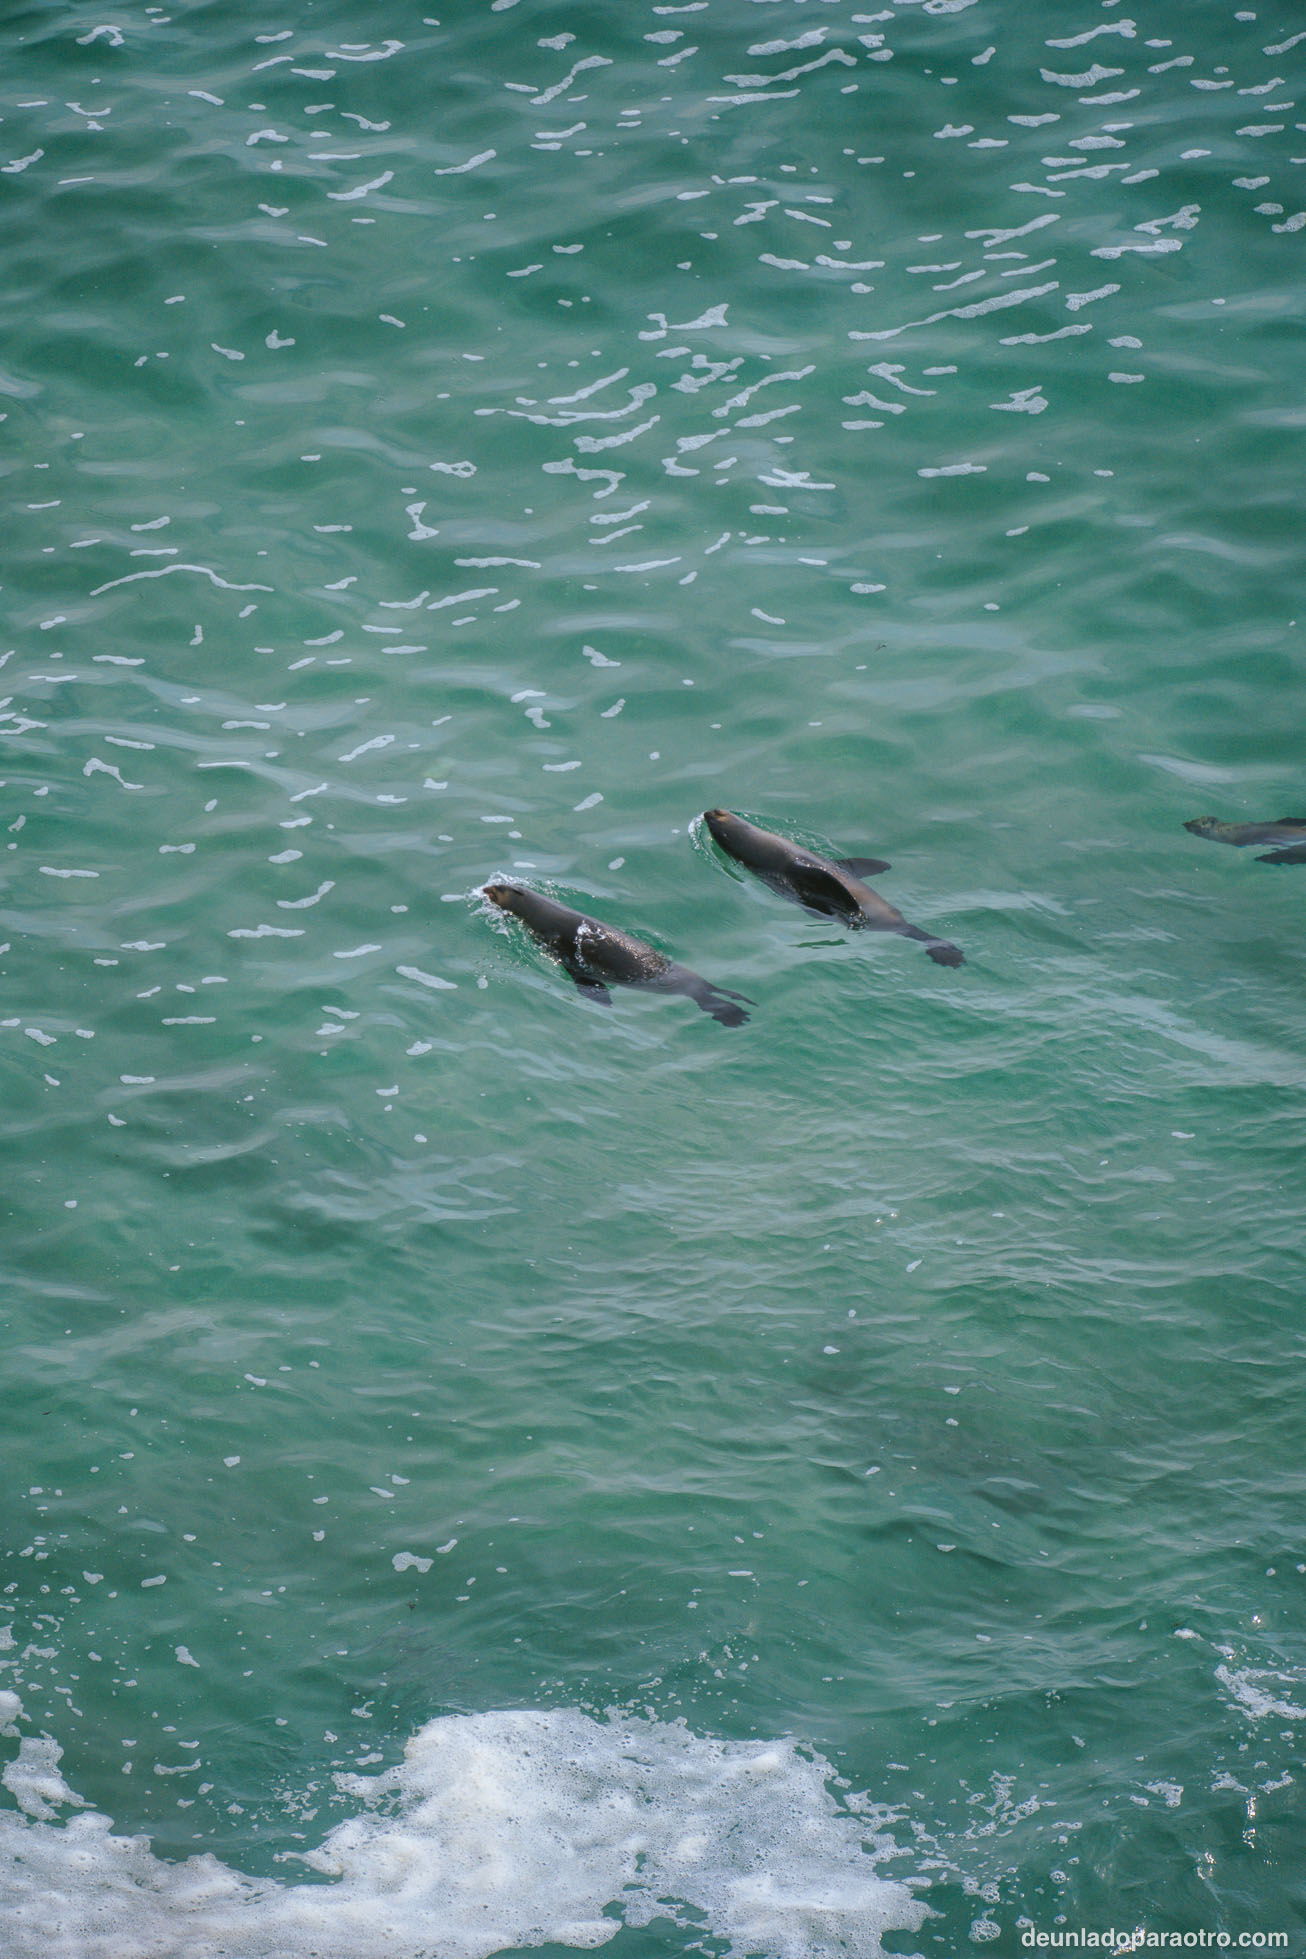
[(833, 887), (1287, 830), (597, 956)]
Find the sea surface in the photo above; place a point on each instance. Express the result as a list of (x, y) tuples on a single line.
[(487, 1471)]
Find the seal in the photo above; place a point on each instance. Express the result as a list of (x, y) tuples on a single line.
[(598, 956), (1289, 831), (833, 887)]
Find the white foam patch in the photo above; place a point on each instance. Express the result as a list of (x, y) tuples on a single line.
[(1261, 1691), (34, 1780), (496, 1831)]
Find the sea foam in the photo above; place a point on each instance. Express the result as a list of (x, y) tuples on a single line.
[(497, 1830)]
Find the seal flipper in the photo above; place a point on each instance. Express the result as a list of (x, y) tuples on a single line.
[(944, 954), (940, 950), (1294, 854), (593, 989), (719, 1002), (862, 866), (715, 1000), (820, 890)]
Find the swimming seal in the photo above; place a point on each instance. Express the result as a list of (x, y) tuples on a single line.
[(832, 887), (598, 956), (1287, 830)]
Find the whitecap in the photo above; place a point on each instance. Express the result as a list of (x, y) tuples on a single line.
[(426, 979), (349, 196)]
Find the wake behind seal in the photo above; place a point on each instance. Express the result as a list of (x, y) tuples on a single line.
[(831, 887), (597, 956)]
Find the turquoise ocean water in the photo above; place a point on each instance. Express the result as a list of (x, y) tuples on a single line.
[(487, 1472)]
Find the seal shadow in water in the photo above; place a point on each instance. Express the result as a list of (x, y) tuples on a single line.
[(831, 887), (598, 956)]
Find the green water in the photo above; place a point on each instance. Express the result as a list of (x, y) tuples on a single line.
[(447, 449)]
